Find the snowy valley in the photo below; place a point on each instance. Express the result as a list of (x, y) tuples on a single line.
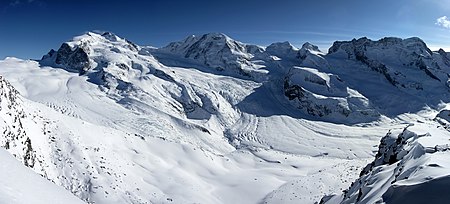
[(210, 119)]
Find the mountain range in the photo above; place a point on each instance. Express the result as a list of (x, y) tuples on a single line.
[(210, 119)]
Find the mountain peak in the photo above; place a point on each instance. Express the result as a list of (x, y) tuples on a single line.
[(394, 58), (110, 36), (216, 36), (282, 50), (205, 41), (310, 46), (284, 45), (76, 55), (215, 50), (413, 44)]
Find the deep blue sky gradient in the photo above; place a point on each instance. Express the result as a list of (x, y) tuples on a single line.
[(29, 28)]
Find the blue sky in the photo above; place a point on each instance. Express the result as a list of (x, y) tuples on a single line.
[(29, 28)]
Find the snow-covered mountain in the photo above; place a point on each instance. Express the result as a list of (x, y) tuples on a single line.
[(402, 62), (219, 52), (283, 50), (213, 120)]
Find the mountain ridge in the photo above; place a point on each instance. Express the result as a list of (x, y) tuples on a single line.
[(193, 119)]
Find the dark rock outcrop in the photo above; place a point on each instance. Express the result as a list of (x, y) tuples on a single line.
[(74, 59)]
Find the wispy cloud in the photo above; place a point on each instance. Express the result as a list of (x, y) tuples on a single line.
[(18, 4), (443, 21), (15, 3)]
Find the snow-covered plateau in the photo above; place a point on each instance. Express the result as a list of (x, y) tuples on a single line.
[(213, 120)]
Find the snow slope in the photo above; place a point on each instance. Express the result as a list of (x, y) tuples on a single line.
[(410, 167), (212, 120), (21, 185), (99, 155)]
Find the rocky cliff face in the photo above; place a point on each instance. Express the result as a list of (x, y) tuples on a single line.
[(16, 137), (443, 117), (74, 59)]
